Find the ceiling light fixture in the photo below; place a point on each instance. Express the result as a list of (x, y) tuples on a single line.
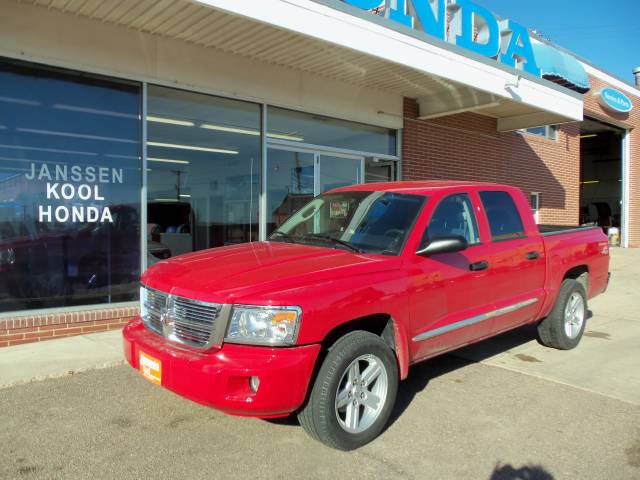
[(283, 136), (590, 135), (589, 182), (221, 128), (54, 150), (20, 101), (170, 121), (95, 111), (125, 157), (193, 147), (74, 135), (167, 160), (255, 133)]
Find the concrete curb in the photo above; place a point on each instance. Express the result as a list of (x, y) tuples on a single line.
[(33, 362), (68, 373)]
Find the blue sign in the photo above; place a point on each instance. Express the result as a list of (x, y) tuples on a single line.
[(612, 99), (470, 26)]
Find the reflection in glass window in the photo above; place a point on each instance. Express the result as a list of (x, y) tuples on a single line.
[(203, 170), (69, 189), (318, 130)]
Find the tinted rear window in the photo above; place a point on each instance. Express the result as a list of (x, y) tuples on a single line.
[(504, 219)]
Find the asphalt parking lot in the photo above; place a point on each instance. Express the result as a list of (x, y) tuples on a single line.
[(490, 412)]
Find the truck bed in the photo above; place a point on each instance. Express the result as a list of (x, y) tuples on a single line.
[(548, 230)]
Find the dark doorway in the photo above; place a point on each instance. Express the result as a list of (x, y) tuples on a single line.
[(601, 176)]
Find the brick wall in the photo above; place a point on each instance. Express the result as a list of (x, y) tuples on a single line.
[(467, 146), (631, 121), (36, 328)]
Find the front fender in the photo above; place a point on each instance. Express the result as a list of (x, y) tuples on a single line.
[(402, 348)]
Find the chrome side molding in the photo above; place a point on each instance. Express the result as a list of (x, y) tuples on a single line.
[(476, 319)]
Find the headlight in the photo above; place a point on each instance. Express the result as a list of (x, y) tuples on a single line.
[(264, 325)]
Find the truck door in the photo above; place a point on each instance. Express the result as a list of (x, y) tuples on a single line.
[(516, 260), (450, 292)]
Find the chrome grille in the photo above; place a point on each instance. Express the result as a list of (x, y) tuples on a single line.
[(153, 302), (179, 319)]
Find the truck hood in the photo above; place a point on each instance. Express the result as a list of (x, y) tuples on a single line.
[(226, 274)]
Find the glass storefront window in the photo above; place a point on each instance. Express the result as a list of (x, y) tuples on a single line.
[(338, 172), (312, 129), (203, 172), (295, 177), (70, 178), (290, 184), (377, 170), (69, 188)]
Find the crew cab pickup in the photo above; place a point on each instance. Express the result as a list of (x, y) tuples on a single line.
[(325, 318)]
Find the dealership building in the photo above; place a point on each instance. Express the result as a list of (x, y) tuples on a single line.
[(135, 130)]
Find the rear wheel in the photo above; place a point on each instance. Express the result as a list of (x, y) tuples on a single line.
[(564, 326), (354, 392)]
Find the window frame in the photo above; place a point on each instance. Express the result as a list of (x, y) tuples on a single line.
[(536, 210), (486, 215), (550, 132), (424, 236)]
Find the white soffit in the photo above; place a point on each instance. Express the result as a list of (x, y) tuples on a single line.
[(311, 37), (442, 72)]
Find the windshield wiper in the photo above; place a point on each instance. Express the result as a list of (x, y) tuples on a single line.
[(284, 236), (336, 241)]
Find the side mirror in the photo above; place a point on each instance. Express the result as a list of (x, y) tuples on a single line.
[(444, 245)]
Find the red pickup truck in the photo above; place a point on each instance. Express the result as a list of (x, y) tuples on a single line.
[(326, 317)]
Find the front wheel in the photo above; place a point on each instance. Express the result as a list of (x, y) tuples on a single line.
[(354, 392)]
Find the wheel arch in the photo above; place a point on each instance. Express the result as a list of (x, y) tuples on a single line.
[(580, 273), (381, 324)]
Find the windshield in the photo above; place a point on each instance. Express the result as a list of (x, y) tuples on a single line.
[(367, 222)]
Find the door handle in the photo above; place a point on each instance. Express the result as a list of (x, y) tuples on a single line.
[(476, 267), (533, 255)]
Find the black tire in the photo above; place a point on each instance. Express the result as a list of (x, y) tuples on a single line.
[(551, 330), (319, 416)]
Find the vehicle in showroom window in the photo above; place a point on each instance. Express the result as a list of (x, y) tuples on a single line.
[(324, 319)]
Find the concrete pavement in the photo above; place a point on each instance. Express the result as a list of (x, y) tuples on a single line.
[(607, 361), (453, 420)]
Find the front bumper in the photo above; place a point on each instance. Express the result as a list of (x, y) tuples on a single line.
[(220, 378)]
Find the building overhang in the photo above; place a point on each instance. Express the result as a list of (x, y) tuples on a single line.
[(334, 40)]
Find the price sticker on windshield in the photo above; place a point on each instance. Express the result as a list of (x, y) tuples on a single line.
[(338, 209)]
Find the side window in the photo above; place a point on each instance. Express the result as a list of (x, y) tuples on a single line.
[(453, 216), (503, 216)]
